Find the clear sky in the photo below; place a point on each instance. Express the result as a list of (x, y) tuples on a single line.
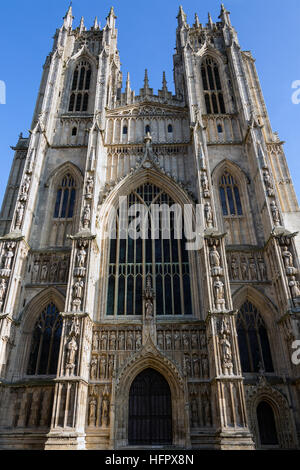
[(269, 28)]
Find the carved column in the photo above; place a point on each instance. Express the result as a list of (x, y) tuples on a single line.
[(230, 413), (71, 390)]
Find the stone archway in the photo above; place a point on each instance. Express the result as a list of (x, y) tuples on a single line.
[(150, 410), (150, 358)]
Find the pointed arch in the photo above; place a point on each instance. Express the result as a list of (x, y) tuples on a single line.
[(151, 357), (230, 185), (64, 195), (181, 283), (28, 320), (257, 336)]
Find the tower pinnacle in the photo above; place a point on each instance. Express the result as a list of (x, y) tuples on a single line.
[(181, 17), (68, 18)]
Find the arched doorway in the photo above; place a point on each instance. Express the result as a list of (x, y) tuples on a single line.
[(150, 410), (266, 424)]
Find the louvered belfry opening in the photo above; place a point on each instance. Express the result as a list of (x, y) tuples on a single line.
[(150, 410)]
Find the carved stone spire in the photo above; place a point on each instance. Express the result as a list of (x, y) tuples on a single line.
[(224, 15), (181, 17), (95, 25), (81, 26), (68, 18)]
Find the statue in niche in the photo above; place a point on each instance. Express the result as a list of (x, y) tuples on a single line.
[(86, 216), (102, 367), (81, 257), (63, 270), (53, 271), (187, 366), (93, 411), (35, 271), (95, 344), (226, 355), (168, 340), (138, 340), (72, 348), (207, 410), (234, 268), (89, 187), (203, 341), (94, 365), (205, 367), (287, 258), (104, 341), (105, 411), (3, 287), (262, 269), (44, 272), (194, 340), (8, 257), (129, 343), (275, 213), (194, 413), (78, 289), (186, 342), (208, 214), (121, 340), (110, 366), (160, 340), (219, 294), (19, 215), (112, 341), (253, 269), (196, 366), (268, 183), (215, 258), (294, 287), (244, 268)]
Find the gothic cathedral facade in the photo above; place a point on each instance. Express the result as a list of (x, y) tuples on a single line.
[(114, 342)]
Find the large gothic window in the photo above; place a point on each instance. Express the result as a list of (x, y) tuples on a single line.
[(253, 340), (81, 83), (164, 259), (45, 342), (230, 196), (212, 87), (63, 211)]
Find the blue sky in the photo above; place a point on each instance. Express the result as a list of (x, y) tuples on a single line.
[(269, 28)]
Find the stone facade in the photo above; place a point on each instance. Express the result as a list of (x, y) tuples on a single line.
[(70, 352)]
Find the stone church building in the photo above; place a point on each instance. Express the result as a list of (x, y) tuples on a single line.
[(112, 342)]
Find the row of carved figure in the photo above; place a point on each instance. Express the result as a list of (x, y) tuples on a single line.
[(49, 268), (247, 267), (117, 340), (195, 366), (181, 340), (6, 262), (32, 407), (99, 407), (200, 406)]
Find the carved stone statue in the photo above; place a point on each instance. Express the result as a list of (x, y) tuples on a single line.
[(92, 411), (3, 287), (94, 364), (86, 216), (219, 294), (35, 271), (234, 268), (244, 268), (262, 269), (188, 366), (44, 273), (275, 213), (268, 183), (287, 258), (194, 413), (294, 287), (215, 258), (208, 214), (63, 270), (226, 355), (71, 354), (19, 215), (81, 257), (129, 343), (253, 269), (104, 341), (78, 289), (160, 340), (196, 366), (95, 344), (168, 340), (121, 340), (205, 185), (205, 369), (112, 341), (8, 257), (102, 367), (89, 187), (149, 308)]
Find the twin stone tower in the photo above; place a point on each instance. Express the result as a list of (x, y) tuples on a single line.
[(110, 342)]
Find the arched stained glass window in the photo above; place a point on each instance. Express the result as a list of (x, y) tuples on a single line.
[(213, 94), (79, 98), (162, 257), (253, 340), (45, 342), (65, 198), (230, 196)]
